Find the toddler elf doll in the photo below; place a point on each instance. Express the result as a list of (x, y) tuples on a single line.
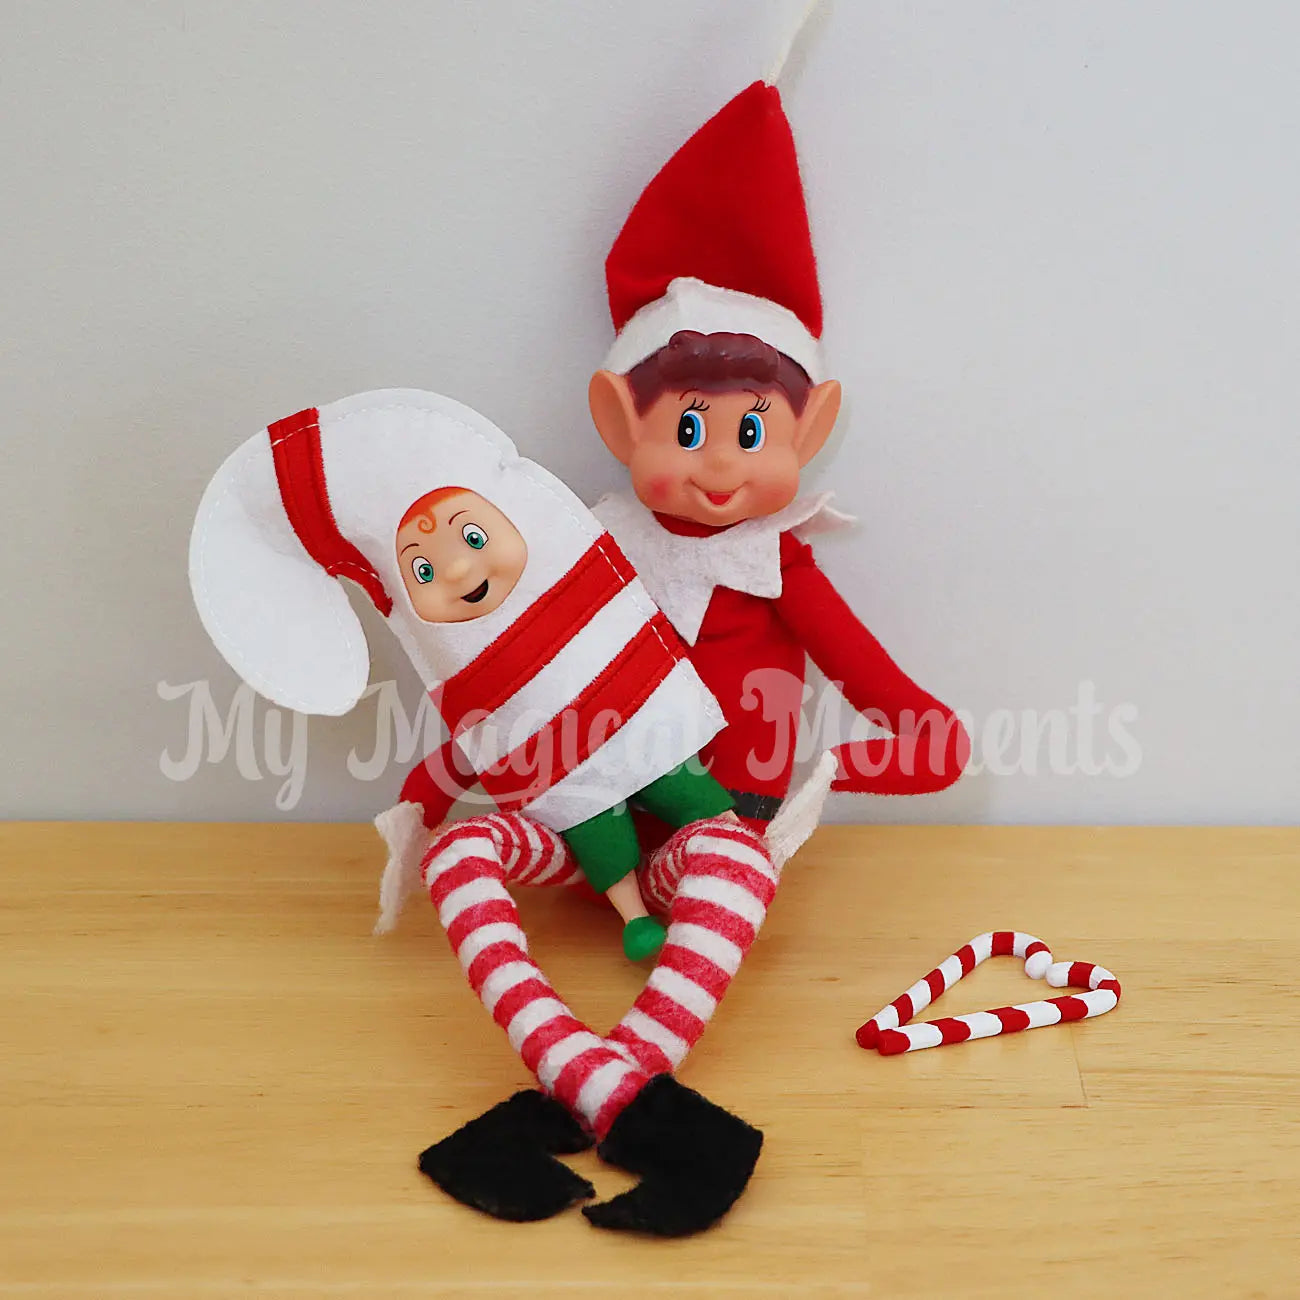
[(564, 689), (565, 692), (714, 396), (460, 558)]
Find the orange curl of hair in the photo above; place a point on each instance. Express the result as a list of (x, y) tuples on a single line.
[(423, 508)]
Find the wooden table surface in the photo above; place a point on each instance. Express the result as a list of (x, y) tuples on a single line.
[(215, 1081)]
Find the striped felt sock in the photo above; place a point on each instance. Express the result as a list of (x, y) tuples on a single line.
[(465, 870), (714, 880)]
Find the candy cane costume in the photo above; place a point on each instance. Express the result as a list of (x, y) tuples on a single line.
[(529, 690)]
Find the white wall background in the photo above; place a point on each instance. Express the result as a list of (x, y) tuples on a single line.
[(1058, 242)]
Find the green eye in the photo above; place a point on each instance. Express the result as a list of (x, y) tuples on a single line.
[(475, 536), (422, 569)]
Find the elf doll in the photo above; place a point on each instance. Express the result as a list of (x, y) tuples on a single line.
[(714, 395)]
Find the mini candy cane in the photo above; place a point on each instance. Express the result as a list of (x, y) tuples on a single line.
[(889, 1033)]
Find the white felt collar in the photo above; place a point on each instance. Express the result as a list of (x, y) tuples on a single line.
[(680, 573)]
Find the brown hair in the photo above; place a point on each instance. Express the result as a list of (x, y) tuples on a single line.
[(716, 363)]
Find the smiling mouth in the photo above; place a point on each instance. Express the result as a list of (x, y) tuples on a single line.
[(477, 594), (718, 498)]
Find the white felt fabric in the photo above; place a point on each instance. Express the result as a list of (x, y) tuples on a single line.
[(287, 628), (555, 684), (674, 724), (406, 838), (691, 304), (801, 812), (680, 573), (280, 621), (385, 450)]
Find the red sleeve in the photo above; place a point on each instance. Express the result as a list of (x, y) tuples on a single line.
[(438, 782), (929, 746)]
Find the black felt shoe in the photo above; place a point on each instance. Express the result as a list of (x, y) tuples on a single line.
[(693, 1158), (504, 1164)]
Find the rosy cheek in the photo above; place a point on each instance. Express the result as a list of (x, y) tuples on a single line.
[(663, 486), (776, 486), (658, 489)]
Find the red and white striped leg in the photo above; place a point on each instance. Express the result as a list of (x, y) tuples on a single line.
[(465, 871), (714, 880)]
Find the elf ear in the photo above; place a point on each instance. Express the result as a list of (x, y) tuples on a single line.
[(613, 411), (278, 618), (817, 420)]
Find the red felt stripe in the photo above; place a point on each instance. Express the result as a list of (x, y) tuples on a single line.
[(721, 920), (966, 955), (1037, 946), (534, 861), (570, 1080), (492, 958), (737, 833), (495, 909), (685, 961), (533, 639), (1004, 943), (903, 1006), (516, 999), (868, 1034), (671, 1014), (545, 1036), (935, 980), (1080, 974), (721, 867), (627, 1089), (650, 1055), (463, 873), (622, 687), (300, 475)]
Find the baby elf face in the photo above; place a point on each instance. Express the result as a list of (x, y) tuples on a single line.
[(459, 556)]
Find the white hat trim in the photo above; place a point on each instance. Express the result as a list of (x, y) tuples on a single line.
[(692, 304)]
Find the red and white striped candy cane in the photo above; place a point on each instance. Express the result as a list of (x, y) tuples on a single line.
[(715, 880), (890, 1034)]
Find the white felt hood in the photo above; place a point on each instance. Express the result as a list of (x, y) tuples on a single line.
[(285, 625), (284, 622)]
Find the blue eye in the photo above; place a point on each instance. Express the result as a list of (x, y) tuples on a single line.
[(690, 430), (752, 432), (474, 536), (422, 569)]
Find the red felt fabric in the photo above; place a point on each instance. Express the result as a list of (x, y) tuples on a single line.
[(300, 474), (743, 633), (929, 747), (609, 699), (438, 782), (727, 208), (537, 635)]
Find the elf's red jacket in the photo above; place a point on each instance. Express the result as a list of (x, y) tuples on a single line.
[(752, 653)]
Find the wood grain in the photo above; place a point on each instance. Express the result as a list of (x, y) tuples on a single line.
[(215, 1081)]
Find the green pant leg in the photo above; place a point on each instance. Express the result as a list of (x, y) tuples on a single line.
[(605, 847), (689, 793)]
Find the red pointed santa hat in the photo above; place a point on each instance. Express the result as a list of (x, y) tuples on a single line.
[(719, 241)]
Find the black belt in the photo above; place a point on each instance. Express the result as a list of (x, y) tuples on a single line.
[(757, 807)]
